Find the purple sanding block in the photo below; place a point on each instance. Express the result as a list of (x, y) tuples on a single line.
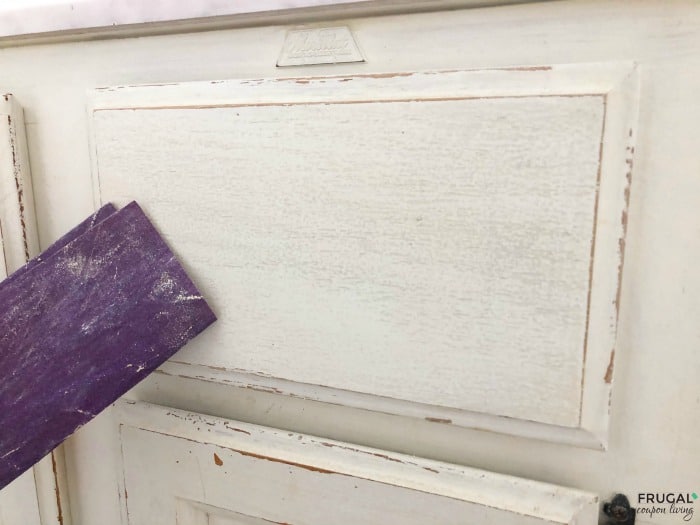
[(82, 324)]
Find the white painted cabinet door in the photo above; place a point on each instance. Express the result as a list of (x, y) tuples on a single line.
[(343, 229), (476, 246), (395, 242)]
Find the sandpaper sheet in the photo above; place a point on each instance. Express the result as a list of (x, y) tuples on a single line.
[(83, 323)]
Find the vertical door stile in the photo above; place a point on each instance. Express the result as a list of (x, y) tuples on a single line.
[(38, 497)]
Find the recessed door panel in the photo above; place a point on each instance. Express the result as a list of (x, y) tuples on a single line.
[(440, 244)]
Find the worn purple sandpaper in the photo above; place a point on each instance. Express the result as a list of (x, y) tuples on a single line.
[(83, 326), (97, 217)]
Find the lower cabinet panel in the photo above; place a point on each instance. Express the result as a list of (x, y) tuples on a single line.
[(191, 469)]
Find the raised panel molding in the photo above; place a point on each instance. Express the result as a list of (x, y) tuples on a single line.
[(446, 245), (188, 468)]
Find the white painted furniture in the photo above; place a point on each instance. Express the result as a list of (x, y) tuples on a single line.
[(34, 497), (396, 242), (477, 247), (192, 469)]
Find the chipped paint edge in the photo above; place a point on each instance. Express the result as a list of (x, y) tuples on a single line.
[(19, 242), (562, 80), (17, 214), (500, 492), (238, 380), (616, 164)]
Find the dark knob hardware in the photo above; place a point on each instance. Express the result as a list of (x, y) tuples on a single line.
[(619, 511)]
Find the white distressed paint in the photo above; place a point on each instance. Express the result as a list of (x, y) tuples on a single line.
[(76, 19), (434, 229), (182, 467), (19, 233), (654, 418)]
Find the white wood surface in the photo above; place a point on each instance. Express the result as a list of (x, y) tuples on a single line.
[(33, 498), (18, 502), (654, 417), (424, 240), (33, 19), (182, 467), (19, 233)]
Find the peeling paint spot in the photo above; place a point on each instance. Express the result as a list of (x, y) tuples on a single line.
[(439, 420), (59, 516), (18, 183), (386, 75), (285, 462), (384, 456), (228, 427), (269, 390), (218, 460), (611, 366), (628, 176)]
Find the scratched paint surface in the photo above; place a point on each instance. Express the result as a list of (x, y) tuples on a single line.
[(97, 217), (81, 325)]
